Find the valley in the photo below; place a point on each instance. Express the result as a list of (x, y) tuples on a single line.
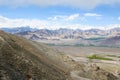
[(106, 58)]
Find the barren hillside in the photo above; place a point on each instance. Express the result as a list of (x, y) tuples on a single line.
[(21, 60)]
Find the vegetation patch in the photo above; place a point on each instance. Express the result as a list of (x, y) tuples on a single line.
[(94, 56), (114, 56)]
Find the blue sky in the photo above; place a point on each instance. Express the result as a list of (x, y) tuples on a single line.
[(54, 14)]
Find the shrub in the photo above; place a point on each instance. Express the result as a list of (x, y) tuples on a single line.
[(94, 56)]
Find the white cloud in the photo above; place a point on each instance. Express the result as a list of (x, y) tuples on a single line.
[(6, 22), (89, 4), (49, 24), (118, 18), (92, 14), (58, 17), (74, 16), (65, 17), (53, 18), (112, 26)]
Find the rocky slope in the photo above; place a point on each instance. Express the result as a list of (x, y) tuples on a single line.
[(21, 60)]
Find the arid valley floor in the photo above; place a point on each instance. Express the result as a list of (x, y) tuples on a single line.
[(80, 55)]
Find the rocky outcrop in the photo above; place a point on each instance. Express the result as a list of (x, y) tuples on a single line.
[(94, 72)]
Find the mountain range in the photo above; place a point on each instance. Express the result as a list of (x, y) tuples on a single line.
[(62, 33), (18, 29), (69, 33), (96, 37)]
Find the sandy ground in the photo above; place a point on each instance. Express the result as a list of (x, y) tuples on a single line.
[(79, 55), (84, 51)]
